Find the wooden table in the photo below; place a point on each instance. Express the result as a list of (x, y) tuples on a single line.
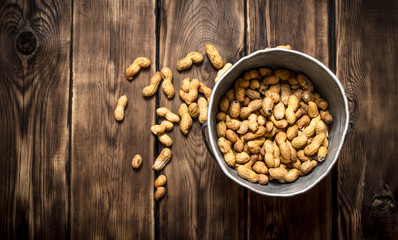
[(65, 162)]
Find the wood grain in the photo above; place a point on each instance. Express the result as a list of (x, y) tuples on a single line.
[(34, 128), (367, 56), (303, 25), (200, 201), (109, 199)]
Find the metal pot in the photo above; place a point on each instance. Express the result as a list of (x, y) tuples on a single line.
[(325, 82)]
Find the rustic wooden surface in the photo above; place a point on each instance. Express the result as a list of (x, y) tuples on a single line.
[(66, 162)]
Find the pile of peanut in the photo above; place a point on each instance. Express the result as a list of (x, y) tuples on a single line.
[(273, 125)]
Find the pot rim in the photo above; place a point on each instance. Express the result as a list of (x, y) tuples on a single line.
[(213, 143)]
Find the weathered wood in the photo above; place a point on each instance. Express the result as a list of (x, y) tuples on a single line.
[(34, 129), (109, 199), (200, 201), (367, 57), (304, 26)]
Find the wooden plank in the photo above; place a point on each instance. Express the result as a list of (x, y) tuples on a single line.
[(34, 129), (200, 201), (303, 25), (367, 56), (109, 199)]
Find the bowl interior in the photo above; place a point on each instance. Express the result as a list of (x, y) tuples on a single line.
[(325, 83)]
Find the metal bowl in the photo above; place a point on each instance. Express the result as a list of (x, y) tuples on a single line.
[(325, 82)]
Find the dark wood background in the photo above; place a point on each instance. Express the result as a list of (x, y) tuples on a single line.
[(65, 162)]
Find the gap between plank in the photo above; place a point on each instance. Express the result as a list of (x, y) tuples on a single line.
[(156, 143), (245, 193), (68, 166)]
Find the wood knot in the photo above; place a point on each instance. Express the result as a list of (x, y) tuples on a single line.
[(26, 43), (383, 205)]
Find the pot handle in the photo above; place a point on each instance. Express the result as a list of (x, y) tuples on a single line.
[(205, 140), (351, 127)]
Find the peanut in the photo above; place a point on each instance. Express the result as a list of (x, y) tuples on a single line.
[(137, 161), (190, 96), (310, 129), (307, 96), (307, 166), (326, 117), (167, 85), (163, 158), (160, 181), (268, 105), (279, 124), (192, 57), (240, 94), (247, 173), (262, 179), (321, 103), (223, 105), (264, 71), (242, 158), (313, 148), (133, 69), (293, 104), (253, 94), (322, 153), (292, 132), (225, 147), (205, 90), (233, 124), (193, 110), (239, 145), (312, 109), (305, 83), (285, 93), (279, 111), (240, 82), (159, 193), (214, 56), (300, 141), (273, 95), (253, 106), (303, 122), (165, 112), (253, 124), (223, 70), (120, 106), (259, 133), (185, 84), (202, 102), (283, 175), (270, 80), (231, 136), (234, 109), (168, 125), (186, 119), (244, 127), (221, 129), (221, 116), (252, 74), (152, 88), (254, 84), (260, 167)]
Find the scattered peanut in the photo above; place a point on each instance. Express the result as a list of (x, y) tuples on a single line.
[(163, 158), (153, 85), (160, 181), (165, 112), (186, 119), (214, 56), (133, 69), (223, 70), (137, 161), (167, 85), (120, 106), (192, 57), (202, 102), (159, 193)]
